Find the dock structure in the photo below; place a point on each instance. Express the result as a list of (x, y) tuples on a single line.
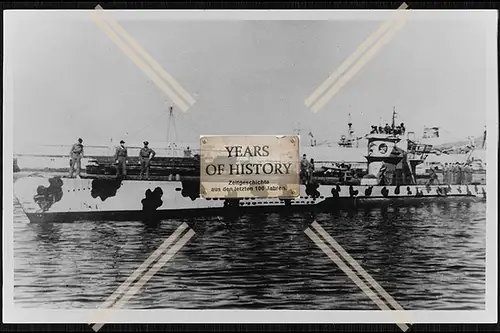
[(159, 166)]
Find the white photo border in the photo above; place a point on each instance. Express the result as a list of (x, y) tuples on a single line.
[(11, 314)]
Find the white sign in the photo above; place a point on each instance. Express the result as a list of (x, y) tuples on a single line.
[(249, 166)]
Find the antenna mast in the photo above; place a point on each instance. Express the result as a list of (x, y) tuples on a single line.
[(393, 116), (171, 122), (484, 139)]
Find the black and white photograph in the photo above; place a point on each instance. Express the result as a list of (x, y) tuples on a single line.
[(292, 166)]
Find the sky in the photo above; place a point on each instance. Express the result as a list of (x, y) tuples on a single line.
[(247, 77)]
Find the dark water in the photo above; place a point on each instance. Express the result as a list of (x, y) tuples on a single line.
[(429, 256)]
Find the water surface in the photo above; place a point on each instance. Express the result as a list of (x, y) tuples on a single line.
[(429, 256)]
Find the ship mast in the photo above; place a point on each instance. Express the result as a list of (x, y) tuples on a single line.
[(352, 138), (393, 117), (484, 139), (171, 123)]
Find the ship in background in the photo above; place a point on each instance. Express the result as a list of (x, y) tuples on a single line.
[(349, 140), (332, 157)]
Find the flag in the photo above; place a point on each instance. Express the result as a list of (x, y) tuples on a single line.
[(431, 132), (311, 135), (411, 145)]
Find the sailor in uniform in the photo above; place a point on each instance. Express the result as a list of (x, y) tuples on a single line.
[(75, 163), (433, 176), (382, 175), (121, 160), (187, 152), (460, 174), (145, 156), (304, 169), (446, 174), (454, 174), (310, 170), (467, 174), (471, 173), (387, 128)]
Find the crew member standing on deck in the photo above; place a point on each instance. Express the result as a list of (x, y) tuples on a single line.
[(453, 173), (469, 174), (433, 178), (465, 171), (145, 156), (187, 152), (456, 176), (75, 163), (121, 160), (446, 174), (382, 175), (311, 170), (463, 174), (387, 129), (304, 168), (443, 181), (460, 174)]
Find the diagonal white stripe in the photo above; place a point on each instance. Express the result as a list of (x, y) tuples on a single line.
[(352, 58), (153, 63), (125, 285), (356, 266), (145, 278), (143, 66), (350, 273), (360, 64)]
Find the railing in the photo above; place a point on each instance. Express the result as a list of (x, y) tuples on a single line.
[(94, 151), (418, 151)]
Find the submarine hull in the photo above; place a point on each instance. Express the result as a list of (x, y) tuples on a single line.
[(59, 199)]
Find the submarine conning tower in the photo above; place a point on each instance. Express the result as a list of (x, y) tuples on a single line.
[(383, 150), (398, 155)]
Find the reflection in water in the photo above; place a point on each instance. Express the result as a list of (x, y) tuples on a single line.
[(47, 234), (426, 255)]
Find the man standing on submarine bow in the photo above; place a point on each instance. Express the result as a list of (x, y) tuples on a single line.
[(304, 169), (145, 156), (121, 160), (75, 163)]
